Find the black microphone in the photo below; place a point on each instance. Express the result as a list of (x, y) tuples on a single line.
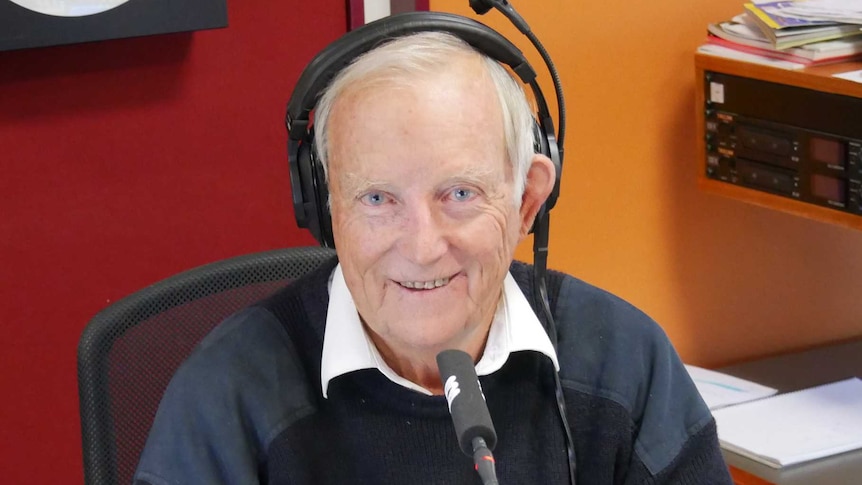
[(481, 7), (473, 426)]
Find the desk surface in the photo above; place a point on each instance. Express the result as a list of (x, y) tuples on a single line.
[(792, 372)]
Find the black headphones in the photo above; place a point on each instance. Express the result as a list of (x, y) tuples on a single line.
[(307, 179)]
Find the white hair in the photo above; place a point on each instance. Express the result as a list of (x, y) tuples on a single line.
[(401, 59)]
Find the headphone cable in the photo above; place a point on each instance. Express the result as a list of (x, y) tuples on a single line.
[(540, 294)]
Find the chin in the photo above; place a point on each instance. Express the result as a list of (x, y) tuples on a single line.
[(437, 336)]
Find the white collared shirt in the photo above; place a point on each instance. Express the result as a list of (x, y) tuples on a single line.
[(347, 347)]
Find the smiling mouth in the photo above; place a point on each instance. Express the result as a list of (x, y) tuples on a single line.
[(425, 285)]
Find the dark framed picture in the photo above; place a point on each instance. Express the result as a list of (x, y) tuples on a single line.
[(40, 23), (360, 12)]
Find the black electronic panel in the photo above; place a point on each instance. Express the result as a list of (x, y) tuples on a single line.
[(785, 140)]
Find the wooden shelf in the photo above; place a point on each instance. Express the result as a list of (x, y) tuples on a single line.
[(742, 477), (815, 78)]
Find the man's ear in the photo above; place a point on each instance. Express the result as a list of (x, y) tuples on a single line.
[(540, 182)]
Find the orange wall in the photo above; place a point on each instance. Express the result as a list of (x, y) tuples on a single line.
[(726, 280)]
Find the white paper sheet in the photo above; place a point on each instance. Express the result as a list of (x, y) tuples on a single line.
[(719, 51), (855, 76), (795, 427), (720, 390)]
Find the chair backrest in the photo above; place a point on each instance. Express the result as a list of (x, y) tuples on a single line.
[(129, 351)]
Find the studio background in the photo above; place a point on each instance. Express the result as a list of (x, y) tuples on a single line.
[(126, 161)]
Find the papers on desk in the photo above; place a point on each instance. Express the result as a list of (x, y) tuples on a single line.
[(846, 11), (720, 51), (795, 427), (719, 390), (855, 76)]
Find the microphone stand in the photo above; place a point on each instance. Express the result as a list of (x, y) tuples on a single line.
[(484, 461)]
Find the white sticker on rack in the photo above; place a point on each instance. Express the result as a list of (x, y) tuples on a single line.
[(69, 8), (716, 92)]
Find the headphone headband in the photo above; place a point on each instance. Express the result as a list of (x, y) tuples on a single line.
[(335, 57)]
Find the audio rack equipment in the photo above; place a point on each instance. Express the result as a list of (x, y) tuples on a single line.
[(782, 134)]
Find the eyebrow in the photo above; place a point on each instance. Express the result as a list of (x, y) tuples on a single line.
[(354, 184)]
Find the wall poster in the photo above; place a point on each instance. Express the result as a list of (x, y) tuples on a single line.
[(39, 23)]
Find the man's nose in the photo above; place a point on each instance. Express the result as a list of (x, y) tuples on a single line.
[(424, 238)]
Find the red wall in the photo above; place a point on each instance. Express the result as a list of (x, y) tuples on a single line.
[(124, 162)]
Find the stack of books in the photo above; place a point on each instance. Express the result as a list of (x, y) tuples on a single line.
[(797, 33)]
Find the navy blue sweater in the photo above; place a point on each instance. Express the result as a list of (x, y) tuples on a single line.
[(247, 406)]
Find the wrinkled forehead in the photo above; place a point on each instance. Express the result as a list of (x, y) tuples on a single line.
[(455, 108), (457, 91)]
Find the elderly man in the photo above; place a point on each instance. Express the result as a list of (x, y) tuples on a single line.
[(433, 182)]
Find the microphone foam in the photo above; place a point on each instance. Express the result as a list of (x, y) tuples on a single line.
[(466, 401)]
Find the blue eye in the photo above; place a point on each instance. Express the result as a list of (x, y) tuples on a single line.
[(374, 199), (461, 194)]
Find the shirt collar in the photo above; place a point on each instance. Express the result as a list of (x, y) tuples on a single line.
[(347, 347)]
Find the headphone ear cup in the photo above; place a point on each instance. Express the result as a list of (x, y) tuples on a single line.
[(540, 143), (321, 197), (305, 184)]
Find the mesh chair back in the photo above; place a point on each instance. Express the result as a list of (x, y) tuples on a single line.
[(129, 351)]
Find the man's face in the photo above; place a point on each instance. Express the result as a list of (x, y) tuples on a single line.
[(423, 211)]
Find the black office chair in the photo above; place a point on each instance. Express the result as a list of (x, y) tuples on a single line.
[(129, 351)]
